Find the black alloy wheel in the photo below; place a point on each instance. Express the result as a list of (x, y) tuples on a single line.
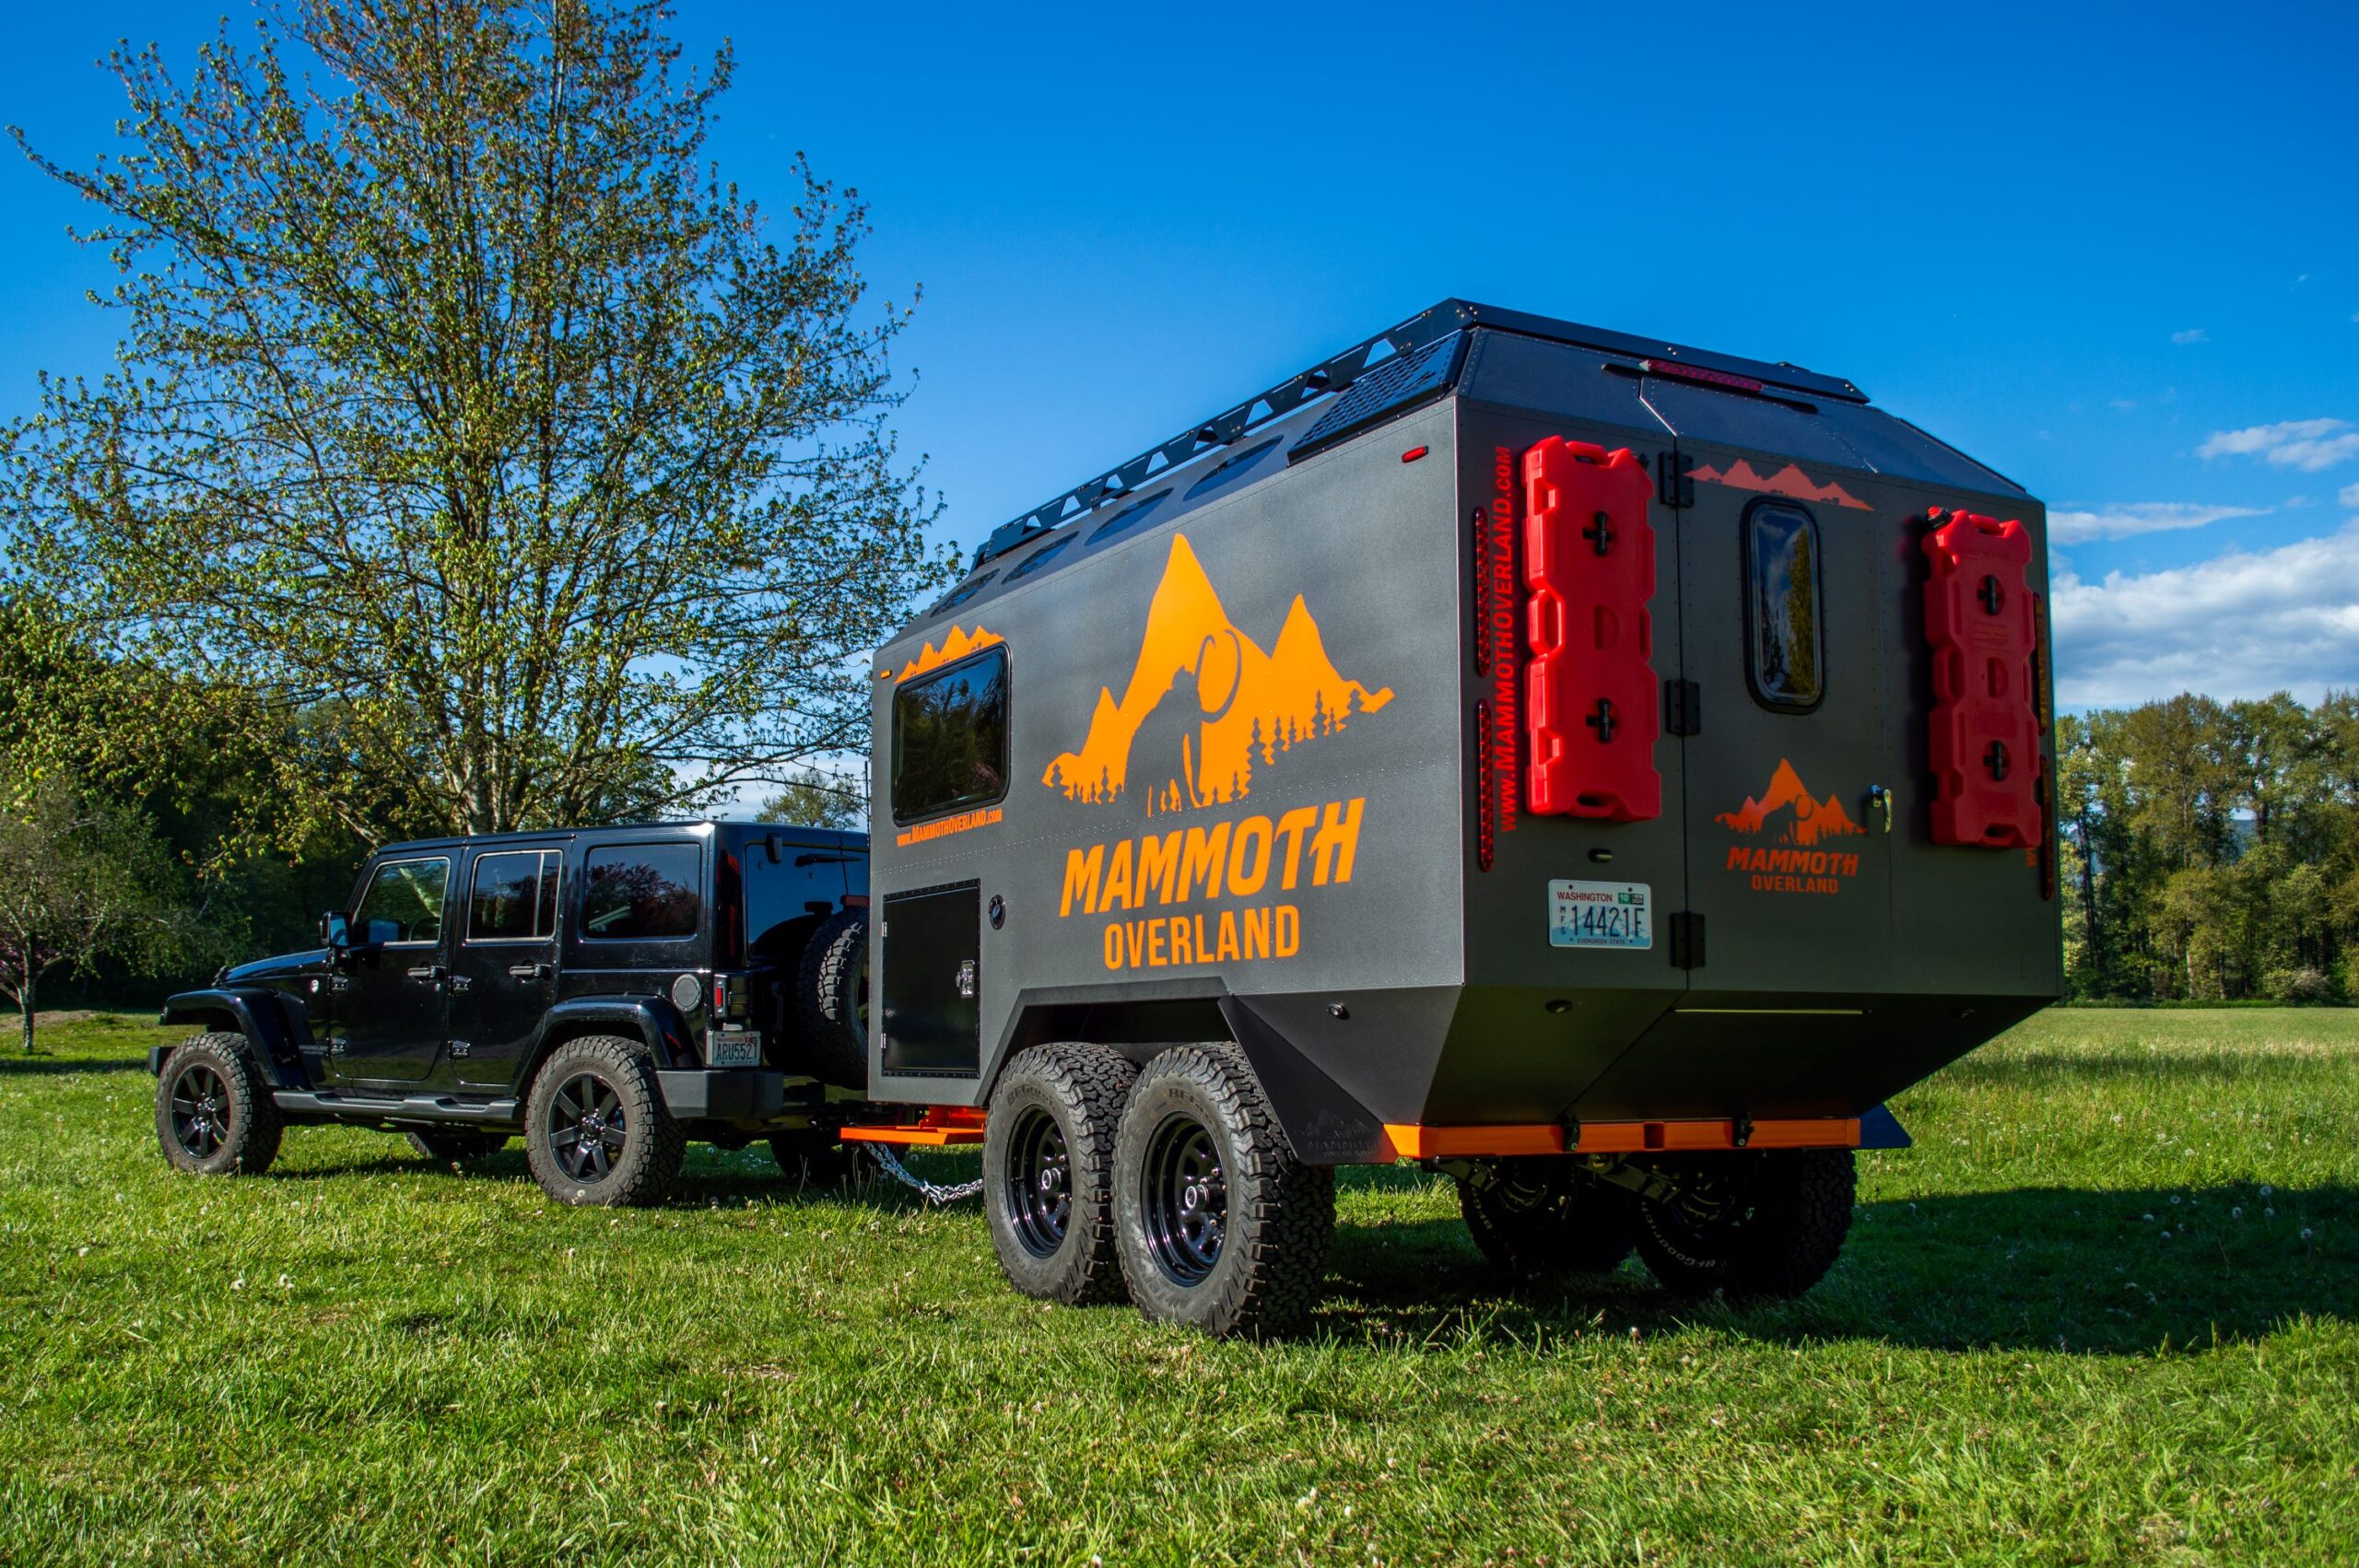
[(200, 1112), (588, 1128), (1039, 1183), (1184, 1196)]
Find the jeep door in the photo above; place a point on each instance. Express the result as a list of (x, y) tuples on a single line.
[(389, 1010), (503, 977)]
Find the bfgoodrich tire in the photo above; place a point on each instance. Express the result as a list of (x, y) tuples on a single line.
[(1754, 1226), (596, 1129), (1218, 1225), (456, 1147), (1048, 1171), (1536, 1217), (214, 1113), (831, 1000)]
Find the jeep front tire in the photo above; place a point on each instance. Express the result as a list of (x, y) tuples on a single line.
[(214, 1112), (596, 1129)]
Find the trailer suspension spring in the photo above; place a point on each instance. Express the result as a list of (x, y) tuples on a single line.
[(933, 1192)]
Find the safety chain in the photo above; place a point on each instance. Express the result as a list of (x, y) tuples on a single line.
[(933, 1192)]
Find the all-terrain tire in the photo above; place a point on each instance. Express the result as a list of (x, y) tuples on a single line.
[(814, 1157), (445, 1147), (1218, 1225), (1048, 1171), (831, 1000), (214, 1111), (601, 1089), (1759, 1225), (1537, 1217)]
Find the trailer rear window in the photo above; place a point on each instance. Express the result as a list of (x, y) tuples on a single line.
[(950, 738), (1784, 629)]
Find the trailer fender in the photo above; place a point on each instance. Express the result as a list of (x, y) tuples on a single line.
[(259, 1014), (1878, 1128), (1324, 1123)]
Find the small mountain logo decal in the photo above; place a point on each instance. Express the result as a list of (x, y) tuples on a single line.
[(1205, 705), (1788, 481), (1797, 815)]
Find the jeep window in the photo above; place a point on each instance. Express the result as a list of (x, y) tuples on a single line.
[(403, 903), (640, 892), (950, 738), (514, 897), (1782, 623)]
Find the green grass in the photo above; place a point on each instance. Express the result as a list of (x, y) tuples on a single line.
[(2107, 1311)]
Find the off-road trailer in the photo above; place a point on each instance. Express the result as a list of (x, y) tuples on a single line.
[(1602, 770)]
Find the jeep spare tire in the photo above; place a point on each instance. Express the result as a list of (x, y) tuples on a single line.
[(831, 1000)]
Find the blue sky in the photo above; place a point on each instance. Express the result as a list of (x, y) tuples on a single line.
[(2112, 253)]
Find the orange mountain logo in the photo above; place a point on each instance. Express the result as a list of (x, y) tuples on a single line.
[(957, 644), (1205, 705), (1788, 481), (1807, 819)]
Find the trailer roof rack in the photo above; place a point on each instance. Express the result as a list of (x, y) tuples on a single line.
[(1420, 331)]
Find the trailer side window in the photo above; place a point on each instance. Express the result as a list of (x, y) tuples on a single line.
[(1784, 631), (950, 738)]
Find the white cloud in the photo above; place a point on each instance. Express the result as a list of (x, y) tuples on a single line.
[(2349, 496), (2143, 516), (2192, 334), (2307, 444), (2239, 625)]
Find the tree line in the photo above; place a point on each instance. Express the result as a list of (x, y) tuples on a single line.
[(475, 457), (2210, 850)]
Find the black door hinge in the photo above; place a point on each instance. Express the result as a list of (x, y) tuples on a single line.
[(1672, 485), (1686, 940), (1683, 708)]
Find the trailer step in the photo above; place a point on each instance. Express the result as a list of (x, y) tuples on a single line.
[(1506, 1140), (942, 1124)]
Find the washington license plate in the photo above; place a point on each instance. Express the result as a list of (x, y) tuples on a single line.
[(733, 1047), (1600, 914)]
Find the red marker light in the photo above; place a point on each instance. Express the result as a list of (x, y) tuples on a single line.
[(719, 994), (1413, 454), (1695, 373)]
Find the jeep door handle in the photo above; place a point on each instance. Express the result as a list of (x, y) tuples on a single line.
[(528, 971), (428, 972)]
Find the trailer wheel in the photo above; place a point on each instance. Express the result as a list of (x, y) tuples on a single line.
[(596, 1129), (1048, 1171), (1539, 1216), (214, 1113), (814, 1157), (456, 1147), (1218, 1225), (1757, 1225), (831, 1000)]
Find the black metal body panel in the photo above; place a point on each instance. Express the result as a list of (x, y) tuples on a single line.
[(271, 1019), (932, 1023)]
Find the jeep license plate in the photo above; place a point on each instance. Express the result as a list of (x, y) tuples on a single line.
[(733, 1047), (1600, 914)]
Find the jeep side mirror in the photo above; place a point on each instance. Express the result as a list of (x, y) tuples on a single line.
[(335, 929)]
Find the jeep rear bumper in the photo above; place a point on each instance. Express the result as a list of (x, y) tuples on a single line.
[(748, 1096)]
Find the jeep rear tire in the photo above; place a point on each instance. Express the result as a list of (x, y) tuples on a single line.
[(1048, 1171), (1754, 1226), (214, 1111), (1218, 1225), (461, 1146), (831, 1000), (1536, 1217), (596, 1129)]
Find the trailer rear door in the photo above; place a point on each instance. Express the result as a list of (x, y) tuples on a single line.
[(1789, 857)]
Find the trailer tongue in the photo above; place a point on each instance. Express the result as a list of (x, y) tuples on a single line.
[(1603, 771)]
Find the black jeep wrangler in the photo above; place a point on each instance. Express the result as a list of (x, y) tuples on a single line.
[(610, 993)]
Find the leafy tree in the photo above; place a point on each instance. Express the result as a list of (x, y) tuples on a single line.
[(464, 405), (80, 881), (815, 799)]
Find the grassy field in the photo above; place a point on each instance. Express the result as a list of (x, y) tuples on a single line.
[(2107, 1311)]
